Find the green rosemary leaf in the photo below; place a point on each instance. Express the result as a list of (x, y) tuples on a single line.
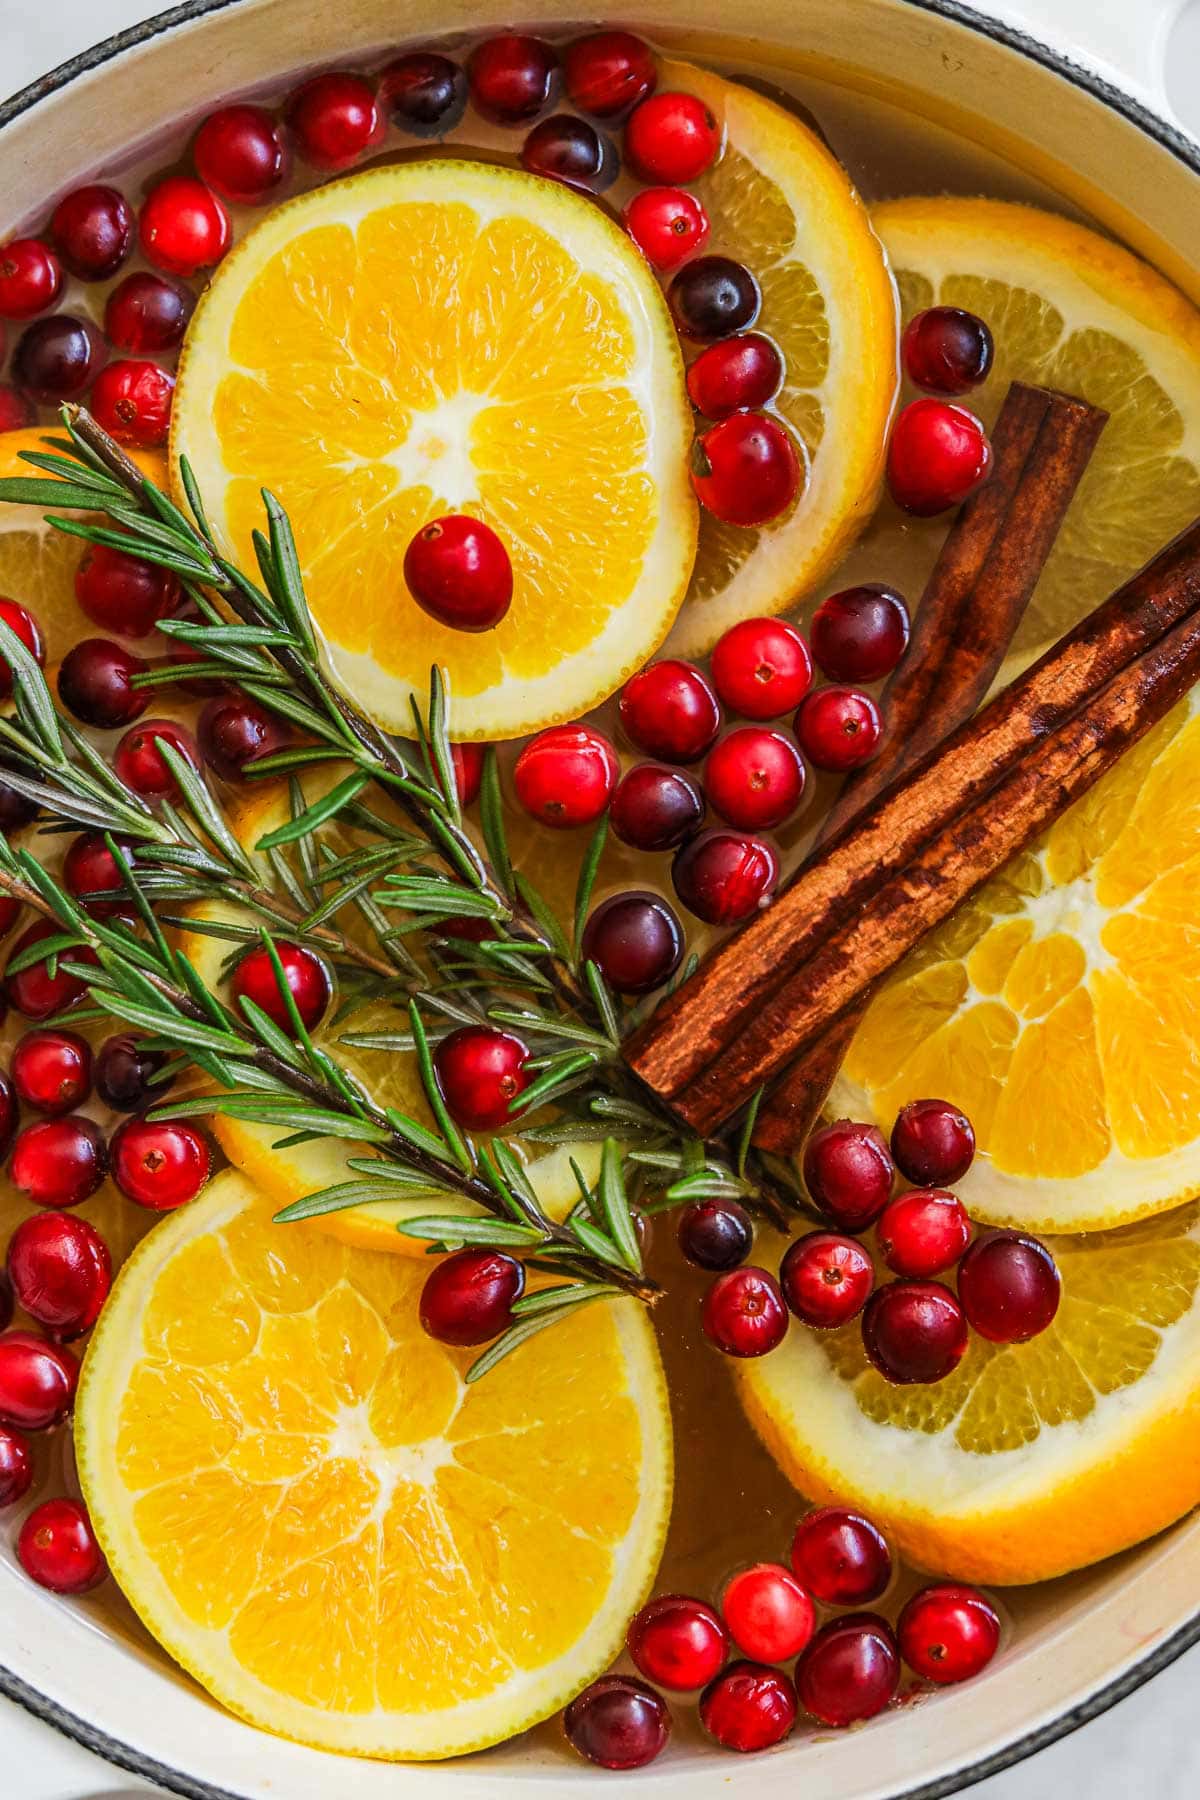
[(188, 477), (317, 814), (439, 743), (558, 1300), (286, 1111), (595, 1242), (562, 1071), (190, 568), (436, 895), (27, 490), (708, 1185), (52, 946), (745, 1136), (491, 818), (69, 468), (602, 996), (549, 1025), (289, 580), (545, 915), (290, 706), (500, 1234), (188, 631), (183, 1030), (587, 878), (29, 685), (204, 808), (335, 1199), (515, 1173), (266, 1030), (513, 1202), (395, 1174), (586, 1192), (513, 1338), (416, 1134), (614, 1206), (567, 1131), (433, 1093), (302, 756)]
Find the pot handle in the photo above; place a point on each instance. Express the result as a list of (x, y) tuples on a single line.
[(1125, 41)]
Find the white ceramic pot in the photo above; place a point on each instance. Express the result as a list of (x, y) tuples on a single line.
[(1106, 140)]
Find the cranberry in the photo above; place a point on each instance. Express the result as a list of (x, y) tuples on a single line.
[(147, 313), (849, 1173), (754, 778), (713, 297), (335, 119), (839, 728), (9, 1116), (923, 1232), (748, 1707), (671, 138), (160, 1164), (458, 571), (1009, 1287), (123, 1073), (425, 93), (8, 1304), (481, 1073), (30, 278), (736, 374), (745, 469), (56, 358), (21, 621), (725, 878), (565, 776), (826, 1279), (15, 811), (669, 710), (239, 151), (635, 940), (140, 764), (37, 1381), (235, 731), (948, 1632), (15, 410), (184, 226), (122, 592), (57, 1548), (61, 1272), (93, 231), (468, 770), (307, 980), (570, 150), (678, 1642), (52, 1070), (609, 72), (914, 1331), (132, 402), (933, 1143), (947, 350), (618, 1723), (655, 808), (513, 78), (95, 683), (10, 911), (850, 1671), (715, 1234), (667, 225), (840, 1557), (938, 455), (16, 1466), (468, 1297), (769, 1615), (761, 668), (90, 868), (34, 991), (861, 633), (743, 1313)]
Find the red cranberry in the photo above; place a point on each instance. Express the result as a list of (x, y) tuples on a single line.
[(34, 991), (59, 1162), (923, 1232), (235, 731), (948, 1632), (761, 668), (122, 592), (15, 410), (849, 1173), (745, 469), (671, 138), (669, 710), (667, 225), (425, 93), (57, 1548), (239, 151), (570, 150), (609, 72), (16, 810), (8, 1304), (933, 1143), (713, 297), (839, 728), (850, 1671), (655, 808), (748, 1707), (16, 1466), (826, 1279), (37, 1381), (140, 764), (840, 1557), (938, 455), (565, 776), (769, 1615), (1009, 1287), (861, 633), (468, 1297), (743, 1313), (914, 1332), (124, 1068), (635, 940), (307, 980), (93, 231), (52, 1070), (147, 313), (481, 1073), (95, 683), (132, 402), (725, 878), (734, 375), (9, 1116), (618, 1723), (513, 78), (21, 621), (160, 1164), (677, 1642), (468, 770), (458, 571), (715, 1234), (947, 350), (10, 911), (184, 226), (61, 1272), (754, 778), (56, 358), (335, 119), (30, 278)]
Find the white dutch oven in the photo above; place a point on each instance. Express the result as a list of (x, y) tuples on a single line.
[(1093, 122)]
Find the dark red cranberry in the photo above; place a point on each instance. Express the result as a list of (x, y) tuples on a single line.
[(938, 455), (10, 912), (147, 313), (458, 570), (861, 633), (713, 297), (56, 359), (132, 401), (715, 1234), (725, 878), (468, 771), (235, 731), (57, 1548), (307, 980), (52, 1070), (923, 1233), (743, 1313), (754, 778), (770, 1616), (671, 138), (914, 1332), (567, 149), (468, 1297), (849, 1173), (9, 1117), (95, 683), (748, 1707), (513, 78), (746, 469), (184, 226), (426, 94), (841, 1558), (124, 593), (826, 1279), (947, 350), (93, 231), (239, 151), (141, 765), (37, 1381), (21, 621), (677, 1642), (30, 278), (737, 374), (839, 728), (655, 808), (16, 1466), (618, 1723), (933, 1143), (16, 810), (16, 410), (160, 1164), (668, 709), (61, 1272), (335, 120), (636, 941), (850, 1671), (564, 777), (123, 1070), (667, 224), (761, 668), (609, 72), (948, 1632), (34, 991), (1009, 1286), (481, 1073)]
